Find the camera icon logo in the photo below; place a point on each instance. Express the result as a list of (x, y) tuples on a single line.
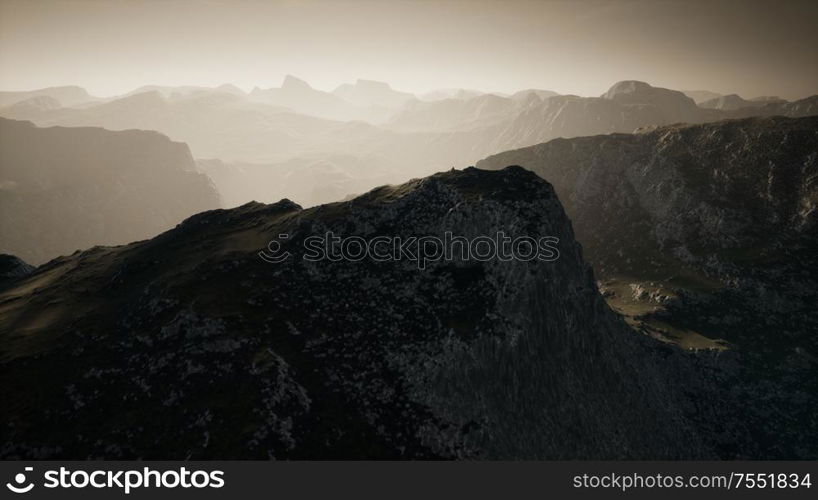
[(20, 479)]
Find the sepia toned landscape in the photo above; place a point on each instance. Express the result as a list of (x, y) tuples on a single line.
[(164, 179)]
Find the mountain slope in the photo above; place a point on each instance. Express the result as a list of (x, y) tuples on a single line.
[(441, 94), (524, 94), (190, 345), (707, 236), (221, 125), (12, 269), (729, 102), (424, 137), (795, 109), (372, 93), (62, 189), (458, 131), (297, 95), (701, 95), (67, 96), (687, 192), (671, 106), (32, 107), (235, 128), (309, 181), (452, 114)]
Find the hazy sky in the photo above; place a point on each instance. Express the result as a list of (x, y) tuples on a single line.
[(581, 47)]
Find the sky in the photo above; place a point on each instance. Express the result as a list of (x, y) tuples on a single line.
[(581, 47)]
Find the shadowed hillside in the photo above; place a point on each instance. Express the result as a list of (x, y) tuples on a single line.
[(63, 189), (707, 236), (191, 346)]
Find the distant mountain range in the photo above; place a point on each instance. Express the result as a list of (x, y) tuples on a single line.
[(701, 95), (64, 189), (297, 95), (289, 127), (65, 96), (453, 114), (734, 102), (441, 94), (371, 93), (216, 124), (707, 99)]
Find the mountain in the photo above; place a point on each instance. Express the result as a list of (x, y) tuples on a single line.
[(223, 125), (191, 346), (170, 92), (795, 109), (701, 95), (441, 94), (768, 99), (230, 89), (297, 95), (627, 107), (671, 106), (542, 94), (31, 107), (182, 92), (452, 114), (372, 93), (308, 181), (466, 131), (731, 102), (572, 116), (67, 96), (62, 189), (734, 106), (466, 135), (707, 236), (421, 138)]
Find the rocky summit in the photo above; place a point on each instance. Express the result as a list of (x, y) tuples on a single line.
[(190, 345)]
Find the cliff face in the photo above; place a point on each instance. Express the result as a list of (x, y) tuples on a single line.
[(683, 195), (190, 345), (715, 229), (63, 189)]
